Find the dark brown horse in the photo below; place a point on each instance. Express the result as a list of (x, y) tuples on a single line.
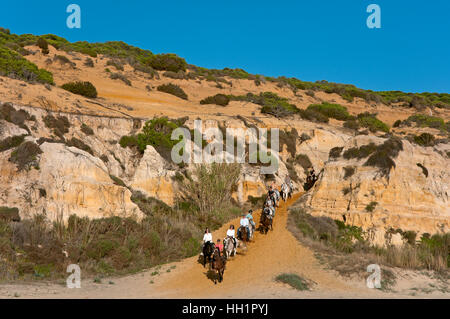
[(208, 249), (243, 234), (265, 221), (218, 264)]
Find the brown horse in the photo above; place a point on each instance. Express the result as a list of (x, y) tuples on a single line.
[(265, 222), (218, 264), (243, 234)]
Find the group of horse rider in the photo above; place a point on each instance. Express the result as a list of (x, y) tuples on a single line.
[(247, 222)]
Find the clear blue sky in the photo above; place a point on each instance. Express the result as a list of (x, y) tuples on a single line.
[(310, 40)]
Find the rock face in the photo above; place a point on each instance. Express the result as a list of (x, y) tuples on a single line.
[(413, 196), (409, 198), (68, 181)]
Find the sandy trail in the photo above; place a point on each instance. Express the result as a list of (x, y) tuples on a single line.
[(248, 275)]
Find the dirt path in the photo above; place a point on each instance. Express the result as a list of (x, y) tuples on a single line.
[(248, 275)]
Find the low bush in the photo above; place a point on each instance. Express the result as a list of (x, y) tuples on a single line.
[(25, 156), (218, 99), (422, 120), (86, 89), (372, 123), (313, 116), (270, 103), (123, 78), (361, 152), (384, 155), (11, 142), (16, 117), (371, 206), (180, 75), (335, 111), (64, 60), (295, 281), (86, 129), (89, 63), (60, 125), (75, 142), (15, 66), (167, 62), (174, 90), (352, 124), (335, 152), (349, 171), (424, 139), (118, 65), (43, 45)]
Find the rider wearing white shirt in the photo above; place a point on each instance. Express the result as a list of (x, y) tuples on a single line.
[(207, 237), (231, 234), (244, 223)]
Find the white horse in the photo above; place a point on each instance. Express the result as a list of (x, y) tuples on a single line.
[(285, 191), (228, 247)]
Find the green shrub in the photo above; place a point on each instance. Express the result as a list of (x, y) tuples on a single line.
[(167, 62), (86, 129), (335, 111), (43, 45), (371, 206), (397, 123), (335, 152), (271, 103), (352, 124), (74, 142), (118, 181), (349, 171), (116, 64), (424, 139), (60, 125), (360, 152), (89, 63), (25, 156), (218, 99), (118, 76), (173, 89), (384, 155), (427, 121), (295, 281), (180, 75), (128, 141), (8, 214), (303, 161), (64, 60), (372, 123), (86, 89), (11, 142), (313, 116), (14, 65)]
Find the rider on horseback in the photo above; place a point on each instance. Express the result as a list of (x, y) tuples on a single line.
[(219, 246), (244, 223), (231, 234), (207, 239), (250, 219)]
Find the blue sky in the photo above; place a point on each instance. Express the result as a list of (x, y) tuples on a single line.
[(310, 40)]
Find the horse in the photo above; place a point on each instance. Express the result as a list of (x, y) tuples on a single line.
[(285, 191), (266, 221), (208, 249), (243, 234), (228, 247), (218, 264)]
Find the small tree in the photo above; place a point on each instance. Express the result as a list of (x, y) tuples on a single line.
[(43, 44)]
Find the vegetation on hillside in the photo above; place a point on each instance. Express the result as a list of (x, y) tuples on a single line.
[(86, 89), (173, 89), (324, 233)]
